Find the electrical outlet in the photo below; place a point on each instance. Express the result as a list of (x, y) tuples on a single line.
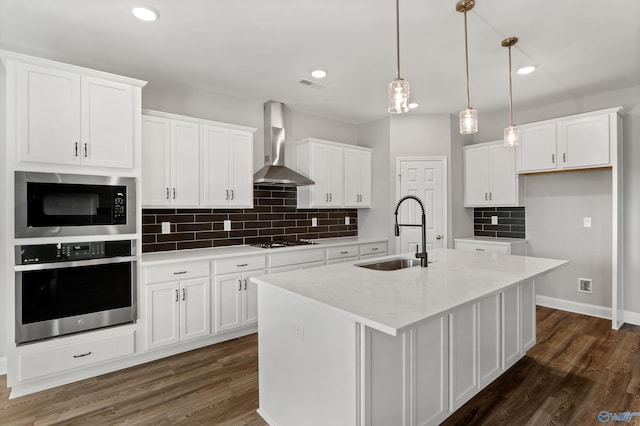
[(494, 220), (347, 220), (314, 221), (586, 222), (166, 227), (585, 285), (227, 225)]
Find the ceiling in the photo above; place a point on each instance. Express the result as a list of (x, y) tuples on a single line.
[(261, 49)]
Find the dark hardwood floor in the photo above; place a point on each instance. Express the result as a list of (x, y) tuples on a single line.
[(578, 368)]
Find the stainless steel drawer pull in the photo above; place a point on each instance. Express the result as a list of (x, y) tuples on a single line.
[(553, 158), (85, 150), (174, 193), (242, 265), (374, 249), (245, 283), (177, 295), (75, 151), (239, 285), (232, 194), (344, 252), (226, 196), (179, 272), (479, 249), (184, 294), (82, 355), (167, 193), (564, 157)]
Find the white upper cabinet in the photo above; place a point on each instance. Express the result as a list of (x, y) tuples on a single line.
[(170, 164), (341, 172), (65, 116), (227, 167), (190, 162), (575, 142), (357, 182), (490, 177)]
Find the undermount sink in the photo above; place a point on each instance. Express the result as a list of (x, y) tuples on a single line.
[(391, 264)]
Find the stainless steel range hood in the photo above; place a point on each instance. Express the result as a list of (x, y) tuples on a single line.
[(274, 172)]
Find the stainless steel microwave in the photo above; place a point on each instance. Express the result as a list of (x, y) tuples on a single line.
[(56, 204)]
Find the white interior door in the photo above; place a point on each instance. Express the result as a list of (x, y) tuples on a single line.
[(426, 179)]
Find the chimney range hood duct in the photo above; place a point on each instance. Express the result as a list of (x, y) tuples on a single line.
[(274, 172)]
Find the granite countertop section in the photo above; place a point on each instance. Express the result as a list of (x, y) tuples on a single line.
[(394, 301), (493, 240), (158, 258)]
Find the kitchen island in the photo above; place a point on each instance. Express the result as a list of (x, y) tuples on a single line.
[(346, 345)]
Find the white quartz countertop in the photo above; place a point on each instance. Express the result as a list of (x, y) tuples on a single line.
[(149, 259), (494, 240), (393, 301)]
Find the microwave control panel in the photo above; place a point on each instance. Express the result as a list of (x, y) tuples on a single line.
[(119, 207)]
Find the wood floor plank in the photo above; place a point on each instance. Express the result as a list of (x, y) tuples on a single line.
[(578, 368)]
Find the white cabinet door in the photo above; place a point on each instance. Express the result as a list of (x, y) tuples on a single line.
[(241, 169), (528, 315), (336, 176), (250, 298), (489, 343), (195, 308), (537, 150), (584, 142), (215, 166), (476, 176), (503, 179), (357, 178), (163, 314), (319, 173), (48, 116), (185, 159), (463, 335), (107, 123), (156, 161), (228, 302), (511, 338)]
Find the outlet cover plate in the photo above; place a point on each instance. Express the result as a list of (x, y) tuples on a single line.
[(166, 227), (227, 225)]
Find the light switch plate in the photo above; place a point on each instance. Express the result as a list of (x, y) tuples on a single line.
[(586, 222), (166, 227), (347, 220), (494, 220), (314, 221), (227, 225)]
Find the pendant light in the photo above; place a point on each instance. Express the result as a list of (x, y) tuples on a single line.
[(511, 133), (468, 117), (398, 88)]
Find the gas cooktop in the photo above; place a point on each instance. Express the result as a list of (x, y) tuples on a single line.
[(282, 243)]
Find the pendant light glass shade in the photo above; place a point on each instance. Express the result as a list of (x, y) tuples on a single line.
[(398, 96), (511, 136), (468, 121), (398, 88), (468, 117), (511, 133)]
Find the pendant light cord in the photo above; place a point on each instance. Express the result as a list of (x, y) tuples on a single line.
[(510, 92), (398, 33), (466, 54)]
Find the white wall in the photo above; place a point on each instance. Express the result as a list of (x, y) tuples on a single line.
[(4, 226), (491, 126)]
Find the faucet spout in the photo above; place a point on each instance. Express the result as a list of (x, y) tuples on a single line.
[(423, 254)]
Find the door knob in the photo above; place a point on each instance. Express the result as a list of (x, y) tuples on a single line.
[(438, 237)]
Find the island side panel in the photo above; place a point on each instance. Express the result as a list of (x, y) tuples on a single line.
[(308, 361)]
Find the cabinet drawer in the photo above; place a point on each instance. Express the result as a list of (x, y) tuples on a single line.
[(373, 248), (342, 251), (42, 363), (486, 247), (239, 264), (295, 258), (177, 271)]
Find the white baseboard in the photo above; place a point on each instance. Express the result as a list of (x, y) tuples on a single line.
[(3, 365), (577, 307), (631, 317)]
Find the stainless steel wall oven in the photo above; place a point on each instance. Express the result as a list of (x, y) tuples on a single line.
[(67, 288), (56, 204)]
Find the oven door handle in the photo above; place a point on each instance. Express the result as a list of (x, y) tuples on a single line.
[(74, 263)]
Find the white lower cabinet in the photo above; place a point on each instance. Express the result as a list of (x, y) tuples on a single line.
[(235, 297), (489, 343), (463, 347), (177, 310), (372, 250), (492, 245), (342, 254)]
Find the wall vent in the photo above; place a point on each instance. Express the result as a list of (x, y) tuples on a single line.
[(313, 84), (584, 285)]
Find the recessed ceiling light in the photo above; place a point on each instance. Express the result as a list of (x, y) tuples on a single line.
[(318, 73), (526, 70), (144, 13), (414, 105)]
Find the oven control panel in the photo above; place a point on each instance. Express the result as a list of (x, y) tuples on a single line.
[(61, 252)]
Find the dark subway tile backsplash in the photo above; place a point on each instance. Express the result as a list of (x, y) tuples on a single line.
[(274, 216), (510, 222)]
